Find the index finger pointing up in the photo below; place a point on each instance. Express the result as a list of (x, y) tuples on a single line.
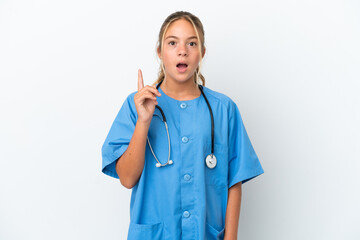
[(140, 80)]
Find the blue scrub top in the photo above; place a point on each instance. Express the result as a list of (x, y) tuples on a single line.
[(185, 200)]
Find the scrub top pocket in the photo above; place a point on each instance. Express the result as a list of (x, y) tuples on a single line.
[(212, 234), (146, 231)]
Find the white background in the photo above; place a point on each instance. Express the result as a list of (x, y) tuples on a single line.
[(292, 67)]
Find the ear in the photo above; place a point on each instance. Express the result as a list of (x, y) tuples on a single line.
[(158, 52), (203, 54)]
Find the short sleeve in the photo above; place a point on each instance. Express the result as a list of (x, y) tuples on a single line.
[(244, 164), (119, 136)]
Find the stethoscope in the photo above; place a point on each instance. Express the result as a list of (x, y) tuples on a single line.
[(210, 159)]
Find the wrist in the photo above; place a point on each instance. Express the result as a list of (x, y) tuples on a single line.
[(143, 122)]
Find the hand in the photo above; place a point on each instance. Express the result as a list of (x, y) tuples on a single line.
[(145, 100)]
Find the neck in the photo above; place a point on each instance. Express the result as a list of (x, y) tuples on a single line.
[(181, 90)]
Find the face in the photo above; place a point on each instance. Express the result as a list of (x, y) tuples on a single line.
[(180, 53)]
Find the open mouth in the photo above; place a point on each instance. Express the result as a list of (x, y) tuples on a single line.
[(181, 67)]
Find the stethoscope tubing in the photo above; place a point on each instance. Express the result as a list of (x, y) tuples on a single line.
[(167, 130), (212, 119)]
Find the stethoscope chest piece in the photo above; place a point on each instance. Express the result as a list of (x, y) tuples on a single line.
[(210, 161)]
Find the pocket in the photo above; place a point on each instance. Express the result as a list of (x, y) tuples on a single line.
[(212, 234), (145, 231)]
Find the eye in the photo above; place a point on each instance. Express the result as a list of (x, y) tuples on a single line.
[(192, 44), (172, 43)]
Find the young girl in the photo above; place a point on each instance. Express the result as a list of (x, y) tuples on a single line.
[(181, 147)]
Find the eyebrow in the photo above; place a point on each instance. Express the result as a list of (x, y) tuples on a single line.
[(178, 38)]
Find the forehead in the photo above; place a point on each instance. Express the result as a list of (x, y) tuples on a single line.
[(180, 28)]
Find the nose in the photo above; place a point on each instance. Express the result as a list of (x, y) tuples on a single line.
[(182, 50)]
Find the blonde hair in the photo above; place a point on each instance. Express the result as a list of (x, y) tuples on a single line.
[(199, 30)]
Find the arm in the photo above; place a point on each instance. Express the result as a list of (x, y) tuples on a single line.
[(130, 165), (233, 212)]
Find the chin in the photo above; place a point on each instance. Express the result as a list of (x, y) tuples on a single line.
[(184, 80), (183, 77)]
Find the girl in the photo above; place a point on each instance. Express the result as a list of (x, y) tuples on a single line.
[(181, 147)]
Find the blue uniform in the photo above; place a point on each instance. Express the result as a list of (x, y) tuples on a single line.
[(185, 200)]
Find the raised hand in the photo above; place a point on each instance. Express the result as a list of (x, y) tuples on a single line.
[(145, 100)]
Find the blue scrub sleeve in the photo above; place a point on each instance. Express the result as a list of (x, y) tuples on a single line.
[(119, 136), (244, 164)]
